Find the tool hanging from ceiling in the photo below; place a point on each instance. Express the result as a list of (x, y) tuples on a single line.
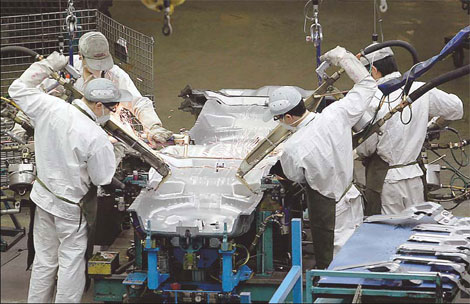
[(167, 6)]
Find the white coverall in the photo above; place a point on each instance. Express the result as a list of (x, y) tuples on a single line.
[(71, 152), (320, 153), (141, 107), (401, 143)]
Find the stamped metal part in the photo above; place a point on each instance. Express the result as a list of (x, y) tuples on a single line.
[(203, 190), (420, 248)]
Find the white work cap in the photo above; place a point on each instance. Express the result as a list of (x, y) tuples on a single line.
[(103, 90), (94, 48), (377, 55), (281, 101)]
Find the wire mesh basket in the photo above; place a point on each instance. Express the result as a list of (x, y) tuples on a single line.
[(131, 50)]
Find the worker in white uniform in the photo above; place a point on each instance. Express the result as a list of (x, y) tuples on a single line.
[(393, 176), (73, 156), (320, 154), (95, 61)]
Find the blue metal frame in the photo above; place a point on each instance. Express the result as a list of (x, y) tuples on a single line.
[(434, 277), (154, 277), (293, 280), (230, 280), (245, 297)]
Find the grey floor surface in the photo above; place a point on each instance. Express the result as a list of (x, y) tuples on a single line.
[(249, 44)]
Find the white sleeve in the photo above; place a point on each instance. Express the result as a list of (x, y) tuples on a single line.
[(445, 105), (368, 147), (32, 101), (291, 168), (141, 107), (101, 165), (355, 103)]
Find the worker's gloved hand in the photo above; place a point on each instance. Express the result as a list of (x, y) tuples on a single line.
[(55, 62), (339, 56), (40, 70), (334, 56), (158, 134)]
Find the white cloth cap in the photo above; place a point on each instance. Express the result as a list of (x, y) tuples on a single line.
[(94, 48), (281, 101), (103, 90), (377, 55)]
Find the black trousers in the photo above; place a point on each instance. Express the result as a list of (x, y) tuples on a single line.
[(322, 215)]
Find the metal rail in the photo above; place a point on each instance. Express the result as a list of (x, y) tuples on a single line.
[(311, 290)]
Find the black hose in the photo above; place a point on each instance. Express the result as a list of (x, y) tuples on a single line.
[(123, 267), (360, 137), (7, 49), (399, 43), (438, 81)]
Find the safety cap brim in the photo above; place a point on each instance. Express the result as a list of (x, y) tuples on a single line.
[(104, 64), (267, 116), (126, 96)]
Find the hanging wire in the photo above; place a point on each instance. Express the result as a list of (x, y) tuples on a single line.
[(378, 19), (411, 116)]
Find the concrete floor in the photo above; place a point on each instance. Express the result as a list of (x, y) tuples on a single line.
[(249, 44)]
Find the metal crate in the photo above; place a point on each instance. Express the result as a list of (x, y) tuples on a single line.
[(131, 50)]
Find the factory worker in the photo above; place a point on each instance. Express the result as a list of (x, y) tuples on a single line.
[(320, 154), (73, 156), (95, 61), (393, 176)]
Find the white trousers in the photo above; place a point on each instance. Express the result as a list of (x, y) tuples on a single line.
[(60, 250), (399, 195), (349, 216)]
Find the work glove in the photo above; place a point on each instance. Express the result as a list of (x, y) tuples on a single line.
[(435, 125), (119, 151), (339, 56), (158, 134), (55, 62), (40, 70)]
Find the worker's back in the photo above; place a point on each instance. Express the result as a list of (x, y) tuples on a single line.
[(404, 134), (71, 150)]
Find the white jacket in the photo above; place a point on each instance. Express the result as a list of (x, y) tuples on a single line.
[(71, 150), (401, 143), (320, 151)]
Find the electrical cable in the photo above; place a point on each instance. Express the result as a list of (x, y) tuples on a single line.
[(450, 165), (247, 255), (411, 116), (465, 160)]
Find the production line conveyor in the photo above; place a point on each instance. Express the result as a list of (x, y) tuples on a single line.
[(405, 258)]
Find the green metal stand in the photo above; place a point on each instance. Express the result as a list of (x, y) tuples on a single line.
[(265, 247)]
